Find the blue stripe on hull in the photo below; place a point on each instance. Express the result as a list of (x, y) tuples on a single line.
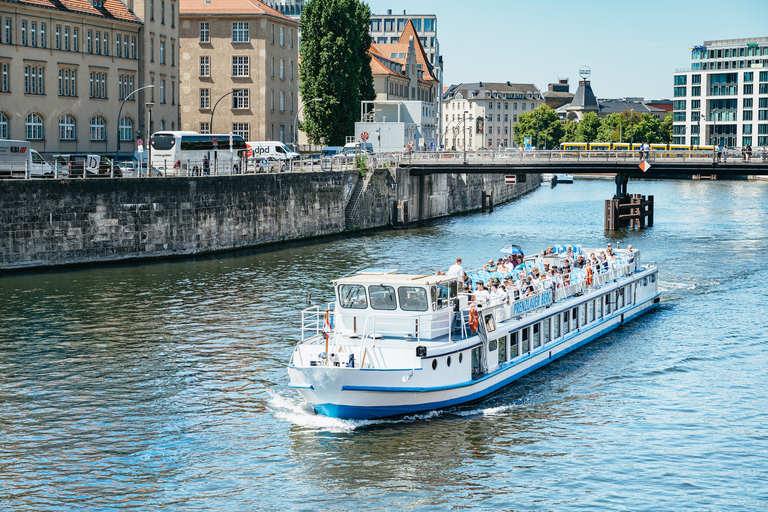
[(374, 412)]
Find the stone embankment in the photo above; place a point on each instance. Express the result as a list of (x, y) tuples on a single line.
[(62, 222)]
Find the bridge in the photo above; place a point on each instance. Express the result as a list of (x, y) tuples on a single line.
[(681, 164), (623, 210)]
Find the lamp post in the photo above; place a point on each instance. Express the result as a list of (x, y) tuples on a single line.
[(464, 120), (296, 123), (217, 104), (713, 136), (120, 112), (699, 117), (537, 129), (149, 106)]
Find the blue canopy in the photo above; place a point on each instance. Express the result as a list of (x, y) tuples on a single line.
[(512, 249)]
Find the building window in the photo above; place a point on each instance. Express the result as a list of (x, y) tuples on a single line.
[(75, 45), (240, 32), (205, 128), (282, 101), (240, 66), (98, 129), (106, 43), (272, 68), (162, 12), (67, 81), (272, 100), (282, 36), (173, 15), (679, 92), (151, 10), (173, 53), (747, 115), (125, 47), (240, 98), (43, 42), (98, 83), (696, 90), (33, 127), (205, 98), (291, 105), (117, 45), (133, 47), (67, 127), (8, 32), (291, 66), (5, 83), (291, 38), (4, 126), (205, 32), (205, 66), (89, 47), (162, 52), (162, 91), (272, 32), (34, 80), (173, 92), (748, 89), (241, 129), (151, 48), (282, 133), (126, 129), (33, 34), (282, 69), (58, 37), (96, 44)]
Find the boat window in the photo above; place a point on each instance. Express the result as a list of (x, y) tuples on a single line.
[(575, 318), (412, 298), (608, 304), (599, 304), (490, 323), (629, 294), (440, 297), (590, 311), (382, 297), (620, 294), (566, 322), (502, 349), (513, 352), (653, 278), (492, 346), (645, 281), (476, 371), (526, 340), (546, 329), (352, 296), (555, 327), (536, 335), (583, 314)]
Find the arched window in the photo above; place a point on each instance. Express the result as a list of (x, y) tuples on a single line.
[(67, 128), (126, 129), (162, 125), (5, 127), (33, 127), (98, 128)]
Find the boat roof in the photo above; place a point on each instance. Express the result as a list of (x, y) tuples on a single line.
[(368, 277)]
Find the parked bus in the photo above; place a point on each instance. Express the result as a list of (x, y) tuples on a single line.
[(192, 154)]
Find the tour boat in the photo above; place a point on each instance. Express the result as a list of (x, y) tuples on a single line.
[(564, 178), (393, 344)]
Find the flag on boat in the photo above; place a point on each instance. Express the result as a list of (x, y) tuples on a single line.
[(512, 249), (328, 324)]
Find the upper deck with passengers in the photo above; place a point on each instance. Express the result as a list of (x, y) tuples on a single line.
[(447, 339)]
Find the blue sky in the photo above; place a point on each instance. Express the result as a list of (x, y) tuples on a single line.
[(633, 48)]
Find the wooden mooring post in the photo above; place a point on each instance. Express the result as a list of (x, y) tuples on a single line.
[(634, 211)]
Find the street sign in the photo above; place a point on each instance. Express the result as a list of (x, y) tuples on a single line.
[(421, 142), (644, 165), (364, 136), (92, 163), (510, 179), (411, 143), (139, 146), (432, 144)]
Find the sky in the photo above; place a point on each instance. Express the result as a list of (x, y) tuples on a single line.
[(632, 48)]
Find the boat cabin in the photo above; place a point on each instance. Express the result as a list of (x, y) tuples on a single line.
[(383, 304)]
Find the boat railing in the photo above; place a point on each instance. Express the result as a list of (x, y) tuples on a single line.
[(313, 321)]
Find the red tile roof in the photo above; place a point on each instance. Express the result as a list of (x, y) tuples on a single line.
[(387, 49), (230, 7), (112, 9)]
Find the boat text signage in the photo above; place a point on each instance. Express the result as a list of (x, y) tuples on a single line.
[(530, 303)]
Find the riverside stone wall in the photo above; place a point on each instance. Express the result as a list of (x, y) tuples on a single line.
[(58, 222)]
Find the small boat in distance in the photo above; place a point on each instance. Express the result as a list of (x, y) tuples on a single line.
[(393, 344), (564, 178)]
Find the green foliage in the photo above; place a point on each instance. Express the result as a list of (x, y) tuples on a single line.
[(569, 131), (665, 128), (542, 122), (647, 130), (588, 128), (335, 66), (361, 163)]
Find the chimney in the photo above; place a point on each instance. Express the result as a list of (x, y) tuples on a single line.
[(389, 12), (481, 85), (509, 84)]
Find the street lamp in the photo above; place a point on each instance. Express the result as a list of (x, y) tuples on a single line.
[(149, 106), (120, 112), (699, 117), (464, 133), (296, 123), (713, 136), (217, 103)]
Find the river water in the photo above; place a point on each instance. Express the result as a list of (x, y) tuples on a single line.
[(163, 385)]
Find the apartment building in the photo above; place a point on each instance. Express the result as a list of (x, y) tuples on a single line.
[(723, 97), (244, 55), (484, 114), (65, 68)]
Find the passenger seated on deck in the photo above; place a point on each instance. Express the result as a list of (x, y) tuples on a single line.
[(609, 249), (535, 272), (497, 296), (604, 261), (481, 295), (580, 263), (490, 266)]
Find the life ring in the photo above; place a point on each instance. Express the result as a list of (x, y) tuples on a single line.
[(474, 319), (589, 276)]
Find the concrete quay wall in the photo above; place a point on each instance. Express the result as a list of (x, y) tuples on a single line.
[(61, 222)]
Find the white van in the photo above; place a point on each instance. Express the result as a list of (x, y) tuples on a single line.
[(273, 149), (358, 147), (16, 157)]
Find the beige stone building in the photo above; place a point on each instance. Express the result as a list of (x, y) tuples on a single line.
[(239, 57)]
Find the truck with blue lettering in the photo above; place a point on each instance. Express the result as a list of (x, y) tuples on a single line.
[(18, 160)]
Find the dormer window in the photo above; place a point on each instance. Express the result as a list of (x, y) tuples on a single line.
[(99, 4)]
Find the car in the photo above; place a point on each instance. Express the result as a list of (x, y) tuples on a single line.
[(258, 164), (75, 164)]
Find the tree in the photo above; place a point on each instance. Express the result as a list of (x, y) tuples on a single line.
[(588, 127), (647, 130), (665, 128), (544, 122), (611, 129), (569, 131), (335, 66)]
